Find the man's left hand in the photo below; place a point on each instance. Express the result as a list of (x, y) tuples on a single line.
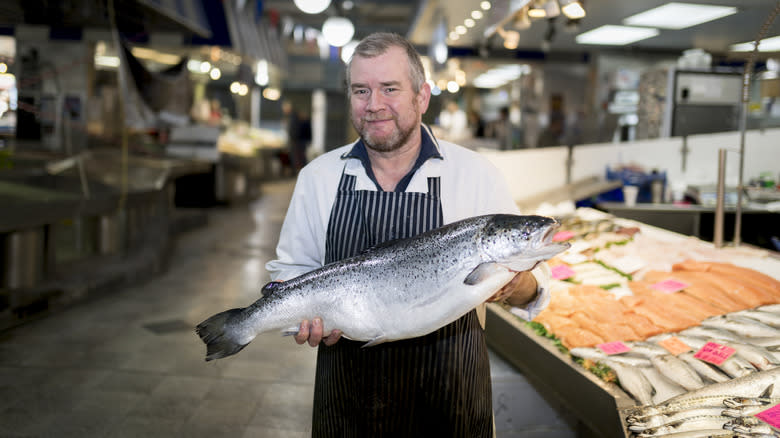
[(520, 291)]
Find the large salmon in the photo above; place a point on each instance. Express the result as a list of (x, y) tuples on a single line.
[(402, 289)]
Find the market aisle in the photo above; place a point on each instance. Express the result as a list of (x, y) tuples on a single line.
[(128, 364)]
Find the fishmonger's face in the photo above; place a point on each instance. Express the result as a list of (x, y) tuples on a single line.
[(385, 110)]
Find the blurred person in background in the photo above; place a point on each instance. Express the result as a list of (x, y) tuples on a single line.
[(454, 122)]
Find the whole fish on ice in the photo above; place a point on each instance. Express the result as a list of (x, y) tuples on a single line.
[(398, 290)]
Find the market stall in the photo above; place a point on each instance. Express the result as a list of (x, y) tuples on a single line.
[(623, 296)]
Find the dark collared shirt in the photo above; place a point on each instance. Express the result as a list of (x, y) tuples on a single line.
[(428, 149)]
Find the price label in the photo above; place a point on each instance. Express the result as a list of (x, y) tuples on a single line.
[(562, 272), (770, 416), (714, 353), (669, 286), (674, 345), (616, 347), (560, 236)]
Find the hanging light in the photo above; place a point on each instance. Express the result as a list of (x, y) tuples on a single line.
[(572, 9), (338, 31), (348, 50), (312, 6)]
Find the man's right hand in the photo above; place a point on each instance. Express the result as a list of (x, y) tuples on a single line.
[(312, 333)]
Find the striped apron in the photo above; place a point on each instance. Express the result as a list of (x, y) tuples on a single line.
[(434, 385)]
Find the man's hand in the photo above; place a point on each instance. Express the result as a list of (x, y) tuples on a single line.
[(520, 291), (313, 334)]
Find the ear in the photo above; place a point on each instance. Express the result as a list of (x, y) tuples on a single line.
[(424, 97)]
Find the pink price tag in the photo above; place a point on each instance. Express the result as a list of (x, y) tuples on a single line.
[(770, 416), (616, 347), (560, 236), (669, 286), (562, 272), (714, 353)]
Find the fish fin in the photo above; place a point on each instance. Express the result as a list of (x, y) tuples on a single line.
[(270, 287), (480, 273), (291, 331), (376, 341), (214, 332)]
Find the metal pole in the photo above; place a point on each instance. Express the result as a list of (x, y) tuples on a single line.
[(743, 122), (718, 228)]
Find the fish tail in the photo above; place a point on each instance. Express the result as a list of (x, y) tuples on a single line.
[(216, 334)]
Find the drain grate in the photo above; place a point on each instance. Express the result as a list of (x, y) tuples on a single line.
[(170, 326)]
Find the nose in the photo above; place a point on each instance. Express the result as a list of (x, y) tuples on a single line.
[(375, 101)]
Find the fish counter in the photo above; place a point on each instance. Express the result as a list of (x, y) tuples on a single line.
[(650, 333)]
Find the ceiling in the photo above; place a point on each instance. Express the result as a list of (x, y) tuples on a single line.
[(417, 20)]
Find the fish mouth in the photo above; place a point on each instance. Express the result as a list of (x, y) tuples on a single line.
[(550, 233)]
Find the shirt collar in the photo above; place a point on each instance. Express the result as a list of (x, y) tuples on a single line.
[(429, 148)]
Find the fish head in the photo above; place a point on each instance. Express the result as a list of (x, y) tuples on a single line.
[(519, 242)]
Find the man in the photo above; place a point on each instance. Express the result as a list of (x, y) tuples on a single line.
[(396, 181)]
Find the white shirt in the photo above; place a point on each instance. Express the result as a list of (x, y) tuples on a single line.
[(470, 186)]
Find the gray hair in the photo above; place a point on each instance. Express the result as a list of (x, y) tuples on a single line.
[(378, 43)]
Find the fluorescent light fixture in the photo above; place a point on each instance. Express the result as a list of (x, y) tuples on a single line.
[(679, 15), (500, 75), (107, 61), (616, 35), (485, 5), (765, 45)]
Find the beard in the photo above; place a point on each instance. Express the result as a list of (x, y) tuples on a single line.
[(384, 143)]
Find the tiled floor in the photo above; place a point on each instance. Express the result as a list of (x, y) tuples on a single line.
[(128, 364)]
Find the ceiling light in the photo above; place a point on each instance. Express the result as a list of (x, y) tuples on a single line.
[(262, 76), (106, 61), (234, 87), (679, 15), (338, 31), (461, 30), (469, 22), (348, 50), (215, 73), (572, 9), (453, 87), (485, 5), (616, 35), (454, 36), (537, 12), (766, 45), (476, 15), (312, 6), (271, 93), (440, 52)]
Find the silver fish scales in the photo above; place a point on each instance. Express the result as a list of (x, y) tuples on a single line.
[(398, 290)]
